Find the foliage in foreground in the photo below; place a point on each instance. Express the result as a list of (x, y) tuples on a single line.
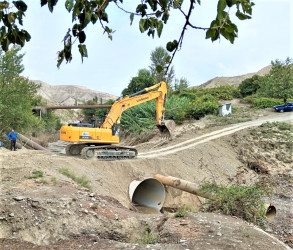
[(241, 201)]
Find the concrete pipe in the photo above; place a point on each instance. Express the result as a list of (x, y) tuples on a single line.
[(31, 143), (193, 189), (148, 193)]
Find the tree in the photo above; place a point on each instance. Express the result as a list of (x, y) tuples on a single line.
[(143, 80), (160, 61), (152, 14), (17, 94), (279, 82), (180, 85), (250, 85)]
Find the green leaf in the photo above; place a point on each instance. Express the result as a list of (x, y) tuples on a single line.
[(60, 59), (94, 18), (160, 28), (69, 5), (142, 25), (20, 5), (242, 16), (221, 5), (159, 68), (87, 18), (131, 18), (158, 13), (82, 51), (43, 2), (104, 17), (26, 35), (172, 45), (51, 4), (81, 36), (210, 33)]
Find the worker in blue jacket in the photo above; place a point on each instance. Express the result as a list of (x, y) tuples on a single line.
[(12, 136)]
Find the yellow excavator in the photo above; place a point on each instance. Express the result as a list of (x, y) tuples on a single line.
[(90, 141)]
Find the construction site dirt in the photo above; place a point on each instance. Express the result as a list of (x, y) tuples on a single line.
[(53, 211)]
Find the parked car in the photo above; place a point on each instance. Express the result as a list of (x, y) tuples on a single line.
[(284, 107)]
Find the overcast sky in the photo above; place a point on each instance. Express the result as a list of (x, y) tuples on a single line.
[(111, 64)]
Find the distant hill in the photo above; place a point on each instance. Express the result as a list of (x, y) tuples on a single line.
[(231, 81), (70, 94)]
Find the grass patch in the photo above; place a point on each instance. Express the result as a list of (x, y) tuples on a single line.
[(148, 237), (54, 181), (82, 181), (182, 212), (241, 201), (36, 174), (43, 181)]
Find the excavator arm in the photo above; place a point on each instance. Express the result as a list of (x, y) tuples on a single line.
[(137, 98)]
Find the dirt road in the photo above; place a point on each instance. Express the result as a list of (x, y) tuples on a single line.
[(192, 143)]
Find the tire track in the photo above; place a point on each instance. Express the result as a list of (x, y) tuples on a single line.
[(213, 135)]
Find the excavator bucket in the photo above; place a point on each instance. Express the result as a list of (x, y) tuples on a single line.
[(167, 128)]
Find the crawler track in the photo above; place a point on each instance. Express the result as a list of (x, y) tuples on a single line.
[(109, 152)]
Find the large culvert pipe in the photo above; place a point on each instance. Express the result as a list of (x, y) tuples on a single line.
[(31, 143), (148, 193), (192, 188)]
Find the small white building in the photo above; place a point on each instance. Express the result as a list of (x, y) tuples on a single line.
[(225, 109)]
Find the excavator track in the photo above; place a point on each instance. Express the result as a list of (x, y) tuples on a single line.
[(109, 152)]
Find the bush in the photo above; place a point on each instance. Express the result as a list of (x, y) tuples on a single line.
[(176, 108), (250, 86), (221, 93), (241, 201), (202, 106), (265, 102)]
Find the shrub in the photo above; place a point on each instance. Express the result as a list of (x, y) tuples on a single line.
[(241, 201), (176, 108), (265, 102), (36, 174), (182, 212), (249, 86), (202, 106), (221, 93)]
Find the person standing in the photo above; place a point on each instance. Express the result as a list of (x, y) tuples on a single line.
[(12, 136)]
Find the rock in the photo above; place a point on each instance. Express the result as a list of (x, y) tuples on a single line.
[(11, 214), (19, 198)]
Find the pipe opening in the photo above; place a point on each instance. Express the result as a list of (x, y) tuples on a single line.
[(271, 211), (148, 193)]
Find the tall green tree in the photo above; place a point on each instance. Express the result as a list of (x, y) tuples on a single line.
[(160, 61), (152, 15), (143, 80), (279, 82), (250, 85), (180, 85), (17, 94)]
